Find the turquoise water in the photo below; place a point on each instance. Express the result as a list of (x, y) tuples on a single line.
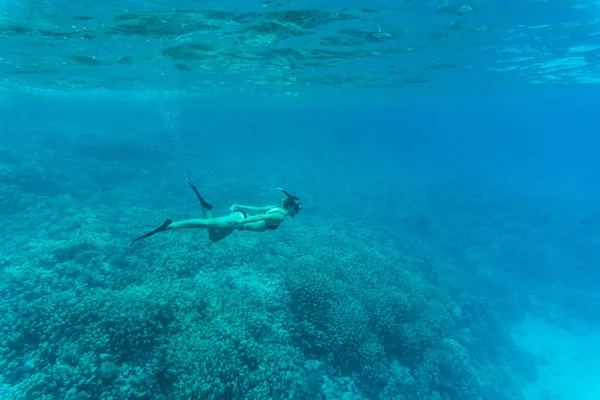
[(445, 153)]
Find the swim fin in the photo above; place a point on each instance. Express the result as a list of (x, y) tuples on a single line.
[(161, 228), (203, 202)]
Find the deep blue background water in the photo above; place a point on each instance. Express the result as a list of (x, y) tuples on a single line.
[(542, 141)]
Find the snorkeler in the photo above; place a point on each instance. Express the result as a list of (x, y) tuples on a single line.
[(247, 218)]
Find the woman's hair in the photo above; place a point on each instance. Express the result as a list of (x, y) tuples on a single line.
[(289, 202)]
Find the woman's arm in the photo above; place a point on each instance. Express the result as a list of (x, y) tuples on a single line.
[(251, 209), (274, 217)]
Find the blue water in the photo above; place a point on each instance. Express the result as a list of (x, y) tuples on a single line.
[(448, 243)]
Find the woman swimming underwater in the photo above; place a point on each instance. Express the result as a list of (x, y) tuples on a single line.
[(247, 218)]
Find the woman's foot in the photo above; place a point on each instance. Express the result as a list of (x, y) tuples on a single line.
[(203, 202), (161, 228)]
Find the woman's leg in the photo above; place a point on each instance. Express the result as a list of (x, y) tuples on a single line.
[(216, 235), (197, 223), (219, 223), (161, 228), (218, 228), (207, 213), (207, 223), (213, 234), (206, 206)]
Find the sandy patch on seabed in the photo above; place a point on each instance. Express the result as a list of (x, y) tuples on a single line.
[(569, 361)]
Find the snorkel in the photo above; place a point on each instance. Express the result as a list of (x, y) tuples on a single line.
[(295, 201)]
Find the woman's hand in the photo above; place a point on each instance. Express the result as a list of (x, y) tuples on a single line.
[(233, 208), (231, 221)]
